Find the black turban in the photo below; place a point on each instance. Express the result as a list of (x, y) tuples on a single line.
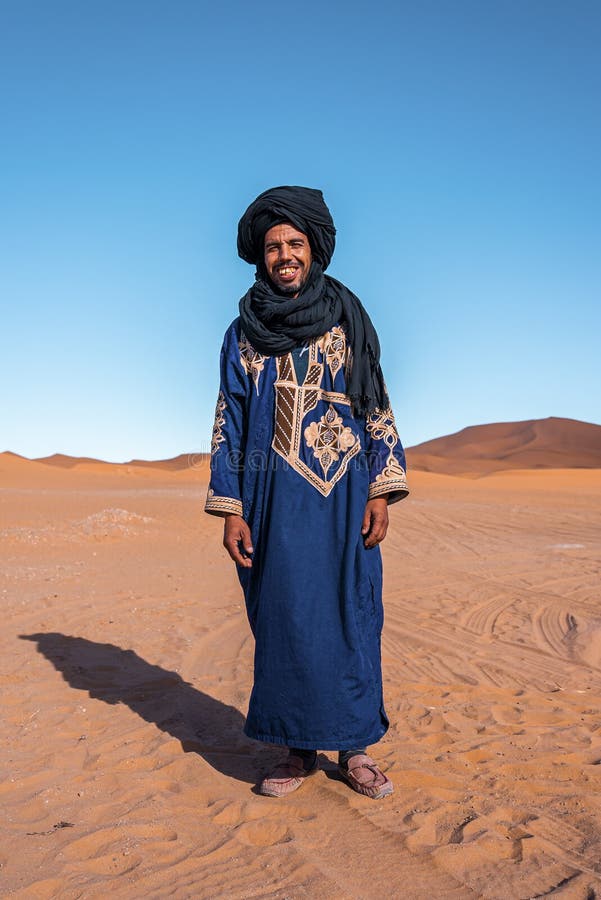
[(275, 324), (303, 207)]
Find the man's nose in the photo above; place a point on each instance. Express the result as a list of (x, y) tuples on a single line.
[(284, 255)]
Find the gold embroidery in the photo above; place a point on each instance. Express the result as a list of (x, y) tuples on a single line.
[(252, 361), (392, 478), (293, 402), (218, 435), (392, 469), (333, 347), (382, 427), (395, 489), (329, 438), (222, 504)]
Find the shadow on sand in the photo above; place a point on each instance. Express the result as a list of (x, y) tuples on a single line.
[(203, 725)]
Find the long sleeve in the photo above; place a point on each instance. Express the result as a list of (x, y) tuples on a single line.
[(229, 432), (386, 457)]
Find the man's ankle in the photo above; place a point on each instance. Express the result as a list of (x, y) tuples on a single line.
[(309, 757), (345, 755)]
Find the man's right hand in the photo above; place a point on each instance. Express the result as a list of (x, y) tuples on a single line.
[(237, 541)]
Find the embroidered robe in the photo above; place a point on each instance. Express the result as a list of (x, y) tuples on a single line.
[(288, 455)]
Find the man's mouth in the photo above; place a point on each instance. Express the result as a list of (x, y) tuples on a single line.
[(287, 273)]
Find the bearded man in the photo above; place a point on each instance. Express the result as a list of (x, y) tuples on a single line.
[(305, 458)]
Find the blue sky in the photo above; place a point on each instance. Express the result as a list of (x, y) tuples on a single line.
[(457, 145)]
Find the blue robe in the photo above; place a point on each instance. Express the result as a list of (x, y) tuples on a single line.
[(288, 455)]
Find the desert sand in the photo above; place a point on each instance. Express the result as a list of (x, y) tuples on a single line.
[(126, 667)]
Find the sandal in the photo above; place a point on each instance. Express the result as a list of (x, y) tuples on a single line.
[(286, 777), (365, 777)]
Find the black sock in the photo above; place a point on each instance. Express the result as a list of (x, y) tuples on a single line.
[(345, 755), (308, 757)]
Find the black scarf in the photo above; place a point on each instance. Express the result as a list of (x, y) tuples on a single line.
[(275, 324)]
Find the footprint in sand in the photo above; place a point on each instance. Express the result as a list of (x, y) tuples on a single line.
[(263, 833), (241, 813), (229, 815)]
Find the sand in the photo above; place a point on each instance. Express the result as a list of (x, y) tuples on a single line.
[(126, 666)]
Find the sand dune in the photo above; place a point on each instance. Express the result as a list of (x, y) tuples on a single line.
[(538, 443), (71, 470), (126, 667), (175, 463), (65, 461)]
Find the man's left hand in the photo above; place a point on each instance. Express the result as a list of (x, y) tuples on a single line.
[(375, 522)]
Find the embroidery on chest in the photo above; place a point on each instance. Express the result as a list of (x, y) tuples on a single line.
[(329, 438), (333, 348), (331, 442), (251, 360)]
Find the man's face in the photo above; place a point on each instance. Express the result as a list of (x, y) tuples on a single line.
[(287, 258)]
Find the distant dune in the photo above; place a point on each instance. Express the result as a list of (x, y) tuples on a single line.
[(174, 464), (60, 470), (64, 461), (551, 443)]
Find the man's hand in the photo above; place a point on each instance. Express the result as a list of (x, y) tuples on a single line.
[(375, 522), (237, 541)]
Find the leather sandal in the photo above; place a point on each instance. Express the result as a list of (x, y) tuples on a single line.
[(365, 777), (286, 777)]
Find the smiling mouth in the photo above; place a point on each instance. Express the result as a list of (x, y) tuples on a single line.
[(287, 272)]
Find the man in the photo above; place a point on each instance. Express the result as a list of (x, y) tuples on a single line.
[(305, 459)]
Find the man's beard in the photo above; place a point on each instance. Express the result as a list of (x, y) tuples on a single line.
[(290, 290)]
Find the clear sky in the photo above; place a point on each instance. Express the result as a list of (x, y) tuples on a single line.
[(457, 143)]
